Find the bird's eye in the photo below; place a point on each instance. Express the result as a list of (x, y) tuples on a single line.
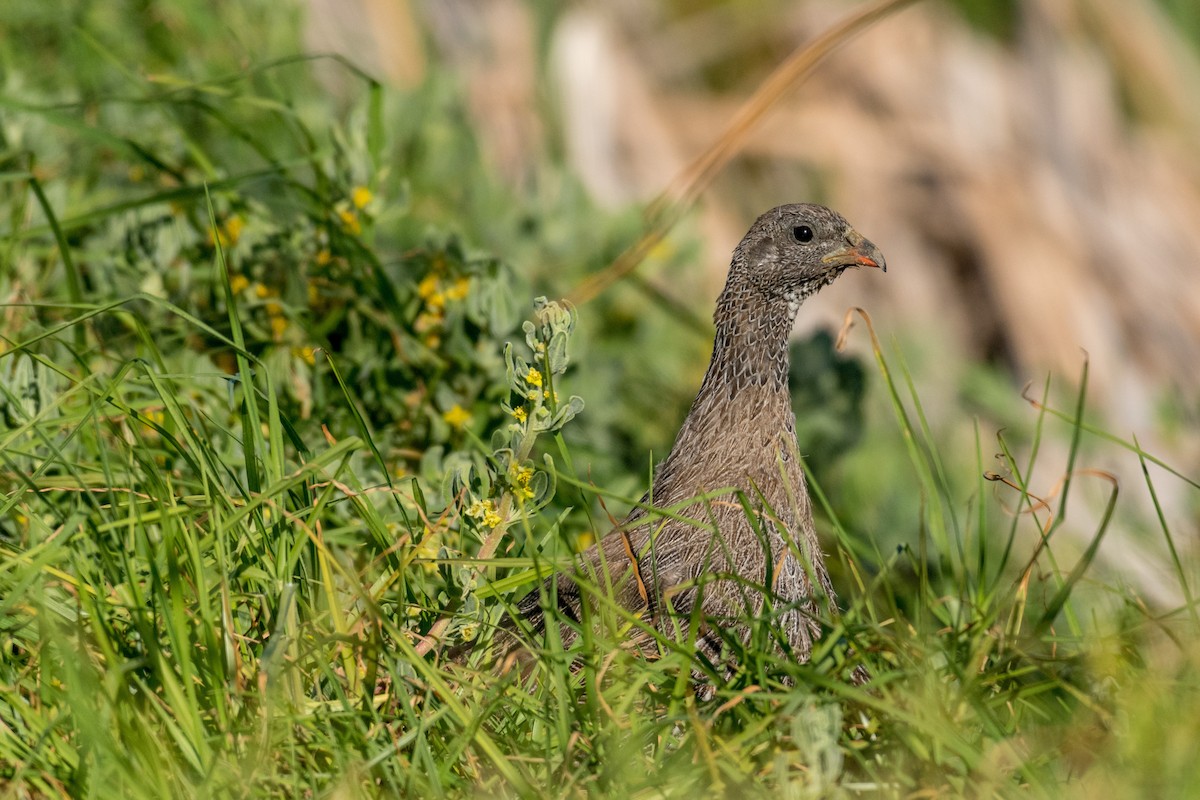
[(802, 233)]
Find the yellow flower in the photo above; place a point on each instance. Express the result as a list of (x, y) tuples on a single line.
[(260, 290), (350, 221), (360, 196), (228, 232), (155, 417), (232, 230), (458, 290), (457, 416), (485, 512), (238, 283), (520, 415), (469, 631), (306, 354), (324, 256), (279, 324), (533, 378), (584, 540), (522, 477), (430, 290)]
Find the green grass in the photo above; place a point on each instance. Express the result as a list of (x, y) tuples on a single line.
[(270, 440), (198, 600)]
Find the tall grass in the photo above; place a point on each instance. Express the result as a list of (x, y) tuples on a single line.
[(198, 600), (271, 443)]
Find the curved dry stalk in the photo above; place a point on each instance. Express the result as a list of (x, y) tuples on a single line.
[(667, 209)]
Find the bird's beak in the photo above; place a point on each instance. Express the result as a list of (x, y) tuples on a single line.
[(857, 252)]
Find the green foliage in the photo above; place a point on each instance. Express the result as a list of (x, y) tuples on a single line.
[(270, 439), (828, 392), (998, 18)]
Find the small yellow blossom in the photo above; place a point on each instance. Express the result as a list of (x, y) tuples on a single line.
[(324, 256), (314, 293), (520, 415), (279, 324), (152, 418), (273, 308), (551, 397), (485, 512), (533, 378), (469, 631), (458, 290), (307, 354), (522, 477), (457, 416), (232, 230), (350, 221), (360, 196), (430, 290), (238, 283), (261, 290), (584, 540), (228, 232)]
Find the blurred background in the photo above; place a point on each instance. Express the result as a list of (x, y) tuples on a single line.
[(1031, 169)]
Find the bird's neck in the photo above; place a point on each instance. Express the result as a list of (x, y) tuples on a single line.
[(750, 349), (741, 421), (744, 395)]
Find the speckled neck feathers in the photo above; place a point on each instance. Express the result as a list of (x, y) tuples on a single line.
[(743, 398)]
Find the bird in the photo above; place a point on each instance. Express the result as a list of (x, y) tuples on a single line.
[(722, 554)]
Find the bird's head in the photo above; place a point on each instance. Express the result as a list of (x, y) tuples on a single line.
[(794, 250)]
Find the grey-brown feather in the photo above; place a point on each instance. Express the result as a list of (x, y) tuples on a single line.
[(739, 433)]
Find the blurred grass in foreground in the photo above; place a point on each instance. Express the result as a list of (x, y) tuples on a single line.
[(259, 439)]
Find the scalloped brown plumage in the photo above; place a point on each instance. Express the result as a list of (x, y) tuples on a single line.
[(739, 434)]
